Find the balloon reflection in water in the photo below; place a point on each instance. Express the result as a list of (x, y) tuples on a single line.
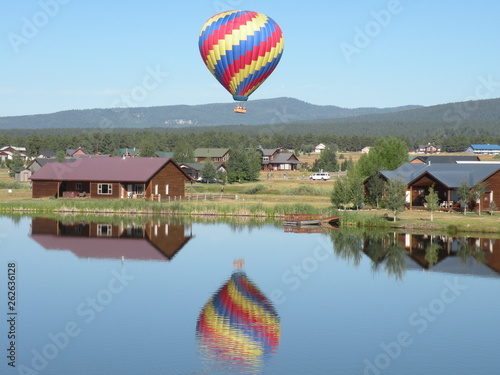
[(238, 328)]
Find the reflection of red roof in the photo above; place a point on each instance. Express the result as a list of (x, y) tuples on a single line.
[(102, 248)]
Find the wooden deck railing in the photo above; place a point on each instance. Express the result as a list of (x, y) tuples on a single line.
[(193, 197)]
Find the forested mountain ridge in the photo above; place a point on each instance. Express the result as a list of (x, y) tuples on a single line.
[(260, 112)]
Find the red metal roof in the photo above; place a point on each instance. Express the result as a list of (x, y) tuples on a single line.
[(113, 169)]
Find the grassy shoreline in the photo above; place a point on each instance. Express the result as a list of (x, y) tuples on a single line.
[(262, 207), (271, 197)]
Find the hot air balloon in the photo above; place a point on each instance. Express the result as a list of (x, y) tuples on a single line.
[(241, 49), (238, 328)]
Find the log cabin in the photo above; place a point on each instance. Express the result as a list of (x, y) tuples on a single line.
[(110, 178), (446, 179)]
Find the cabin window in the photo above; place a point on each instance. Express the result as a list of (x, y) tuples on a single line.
[(139, 189), (166, 189), (79, 186), (104, 230), (105, 189)]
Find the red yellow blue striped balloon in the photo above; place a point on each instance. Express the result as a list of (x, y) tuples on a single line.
[(238, 327), (241, 49)]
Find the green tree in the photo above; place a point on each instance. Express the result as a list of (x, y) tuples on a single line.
[(243, 166), (254, 165), (328, 159), (432, 254), (478, 191), (432, 200), (208, 170), (148, 148), (183, 153), (355, 187), (60, 156), (340, 196), (395, 194), (387, 154), (237, 166), (16, 163), (464, 193), (375, 189)]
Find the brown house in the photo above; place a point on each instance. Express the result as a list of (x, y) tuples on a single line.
[(77, 152), (110, 178), (429, 149), (278, 160), (446, 179), (155, 241)]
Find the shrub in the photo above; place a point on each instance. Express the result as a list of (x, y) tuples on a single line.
[(255, 189)]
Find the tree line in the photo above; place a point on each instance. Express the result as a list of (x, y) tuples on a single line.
[(149, 141)]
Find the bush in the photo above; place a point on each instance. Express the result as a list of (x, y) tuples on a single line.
[(255, 189)]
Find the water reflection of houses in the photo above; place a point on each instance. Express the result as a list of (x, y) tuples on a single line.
[(466, 255), (400, 252), (157, 241)]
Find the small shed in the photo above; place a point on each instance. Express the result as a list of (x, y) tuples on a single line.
[(23, 175)]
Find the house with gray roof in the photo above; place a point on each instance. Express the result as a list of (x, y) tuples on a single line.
[(110, 178), (483, 149), (444, 159), (446, 179), (277, 159)]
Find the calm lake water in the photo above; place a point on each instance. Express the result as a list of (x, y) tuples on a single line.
[(160, 297)]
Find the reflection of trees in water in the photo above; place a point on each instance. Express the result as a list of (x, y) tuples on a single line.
[(469, 251), (432, 253), (348, 244), (382, 248), (387, 251)]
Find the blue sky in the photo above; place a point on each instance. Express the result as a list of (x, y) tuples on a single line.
[(73, 54)]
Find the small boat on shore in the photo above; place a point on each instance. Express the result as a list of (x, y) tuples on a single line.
[(302, 220)]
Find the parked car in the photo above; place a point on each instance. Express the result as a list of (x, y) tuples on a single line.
[(320, 176)]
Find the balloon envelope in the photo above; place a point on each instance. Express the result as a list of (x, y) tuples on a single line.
[(238, 327), (241, 49)]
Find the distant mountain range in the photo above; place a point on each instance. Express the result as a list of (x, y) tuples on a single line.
[(259, 112)]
